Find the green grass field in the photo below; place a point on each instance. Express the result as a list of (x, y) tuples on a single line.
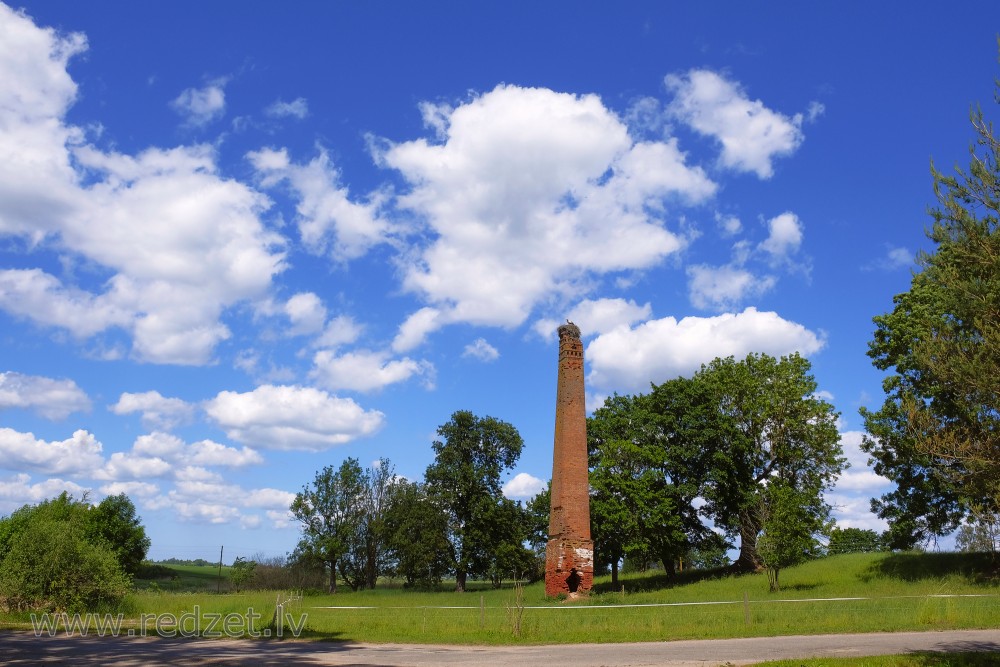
[(184, 578), (848, 593)]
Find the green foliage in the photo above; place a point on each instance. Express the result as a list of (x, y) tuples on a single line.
[(724, 435), (537, 511), (417, 534), (769, 427), (980, 532), (367, 558), (937, 435), (50, 559), (854, 540), (790, 519), (646, 466), (464, 481), (711, 552), (241, 572), (343, 516), (115, 523), (330, 514)]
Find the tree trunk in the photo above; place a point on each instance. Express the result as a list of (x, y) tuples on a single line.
[(460, 581), (614, 573), (772, 578), (749, 560), (333, 577), (668, 567)]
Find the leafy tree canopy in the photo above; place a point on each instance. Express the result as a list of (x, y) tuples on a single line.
[(464, 481), (331, 512), (723, 438), (64, 554), (937, 435)]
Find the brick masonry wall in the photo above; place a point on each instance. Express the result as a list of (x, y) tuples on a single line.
[(570, 546)]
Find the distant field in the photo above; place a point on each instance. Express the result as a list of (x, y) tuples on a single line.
[(839, 594), (184, 578)]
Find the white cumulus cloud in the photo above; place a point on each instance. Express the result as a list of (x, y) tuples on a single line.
[(53, 399), (785, 236), (76, 455), (751, 135), (178, 242), (482, 350), (721, 287), (523, 485), (627, 360), (157, 410), (291, 417), (306, 312), (297, 108), (525, 193), (328, 219), (365, 370)]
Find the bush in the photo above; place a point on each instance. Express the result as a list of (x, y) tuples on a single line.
[(62, 555), (48, 563)]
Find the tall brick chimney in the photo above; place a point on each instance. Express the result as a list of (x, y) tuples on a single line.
[(569, 555)]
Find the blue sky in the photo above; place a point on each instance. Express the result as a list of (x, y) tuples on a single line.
[(239, 245)]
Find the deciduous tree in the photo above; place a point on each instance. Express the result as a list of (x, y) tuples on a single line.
[(646, 471), (770, 427), (331, 511), (937, 435), (242, 572), (854, 540), (790, 520), (417, 535), (464, 481)]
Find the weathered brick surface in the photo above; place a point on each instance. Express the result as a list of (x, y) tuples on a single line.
[(570, 546)]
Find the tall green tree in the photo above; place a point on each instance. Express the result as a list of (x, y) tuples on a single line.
[(507, 558), (769, 427), (417, 535), (464, 480), (937, 435), (331, 512), (366, 556), (646, 471)]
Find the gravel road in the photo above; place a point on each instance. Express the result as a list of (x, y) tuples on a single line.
[(23, 648)]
